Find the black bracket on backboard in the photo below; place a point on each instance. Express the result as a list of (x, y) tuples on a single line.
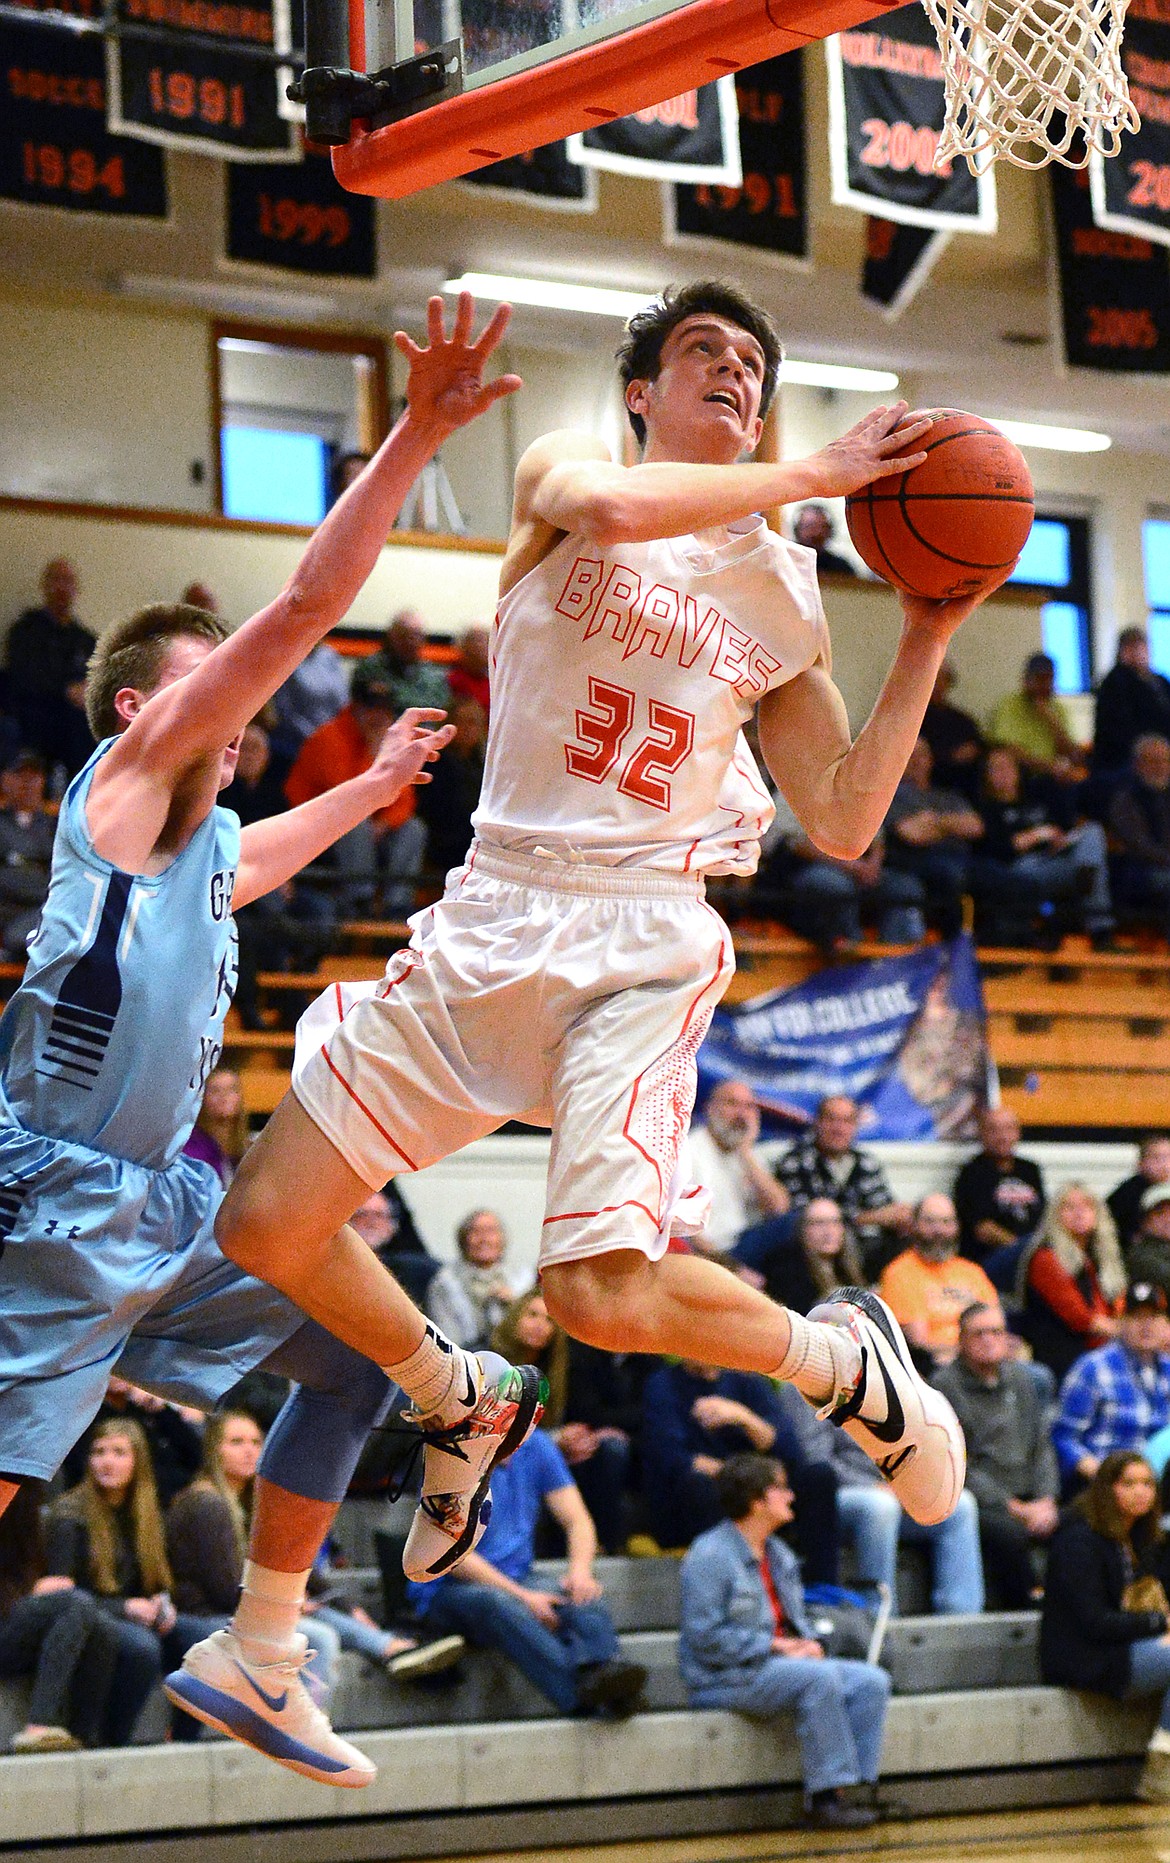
[(333, 97)]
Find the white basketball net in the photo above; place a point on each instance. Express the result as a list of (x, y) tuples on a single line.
[(1027, 79)]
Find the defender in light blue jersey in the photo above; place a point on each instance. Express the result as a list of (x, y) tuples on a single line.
[(107, 1249)]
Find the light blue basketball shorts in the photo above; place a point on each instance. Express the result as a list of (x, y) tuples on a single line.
[(106, 1264)]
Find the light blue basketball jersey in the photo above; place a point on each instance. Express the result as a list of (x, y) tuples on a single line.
[(119, 1019)]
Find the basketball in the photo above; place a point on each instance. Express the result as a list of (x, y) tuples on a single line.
[(954, 525)]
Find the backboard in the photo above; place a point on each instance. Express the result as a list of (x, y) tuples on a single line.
[(532, 71)]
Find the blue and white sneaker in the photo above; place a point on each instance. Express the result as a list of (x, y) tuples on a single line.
[(906, 1428), (458, 1459), (267, 1706)]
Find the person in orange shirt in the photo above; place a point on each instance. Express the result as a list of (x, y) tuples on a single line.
[(378, 863), (929, 1284)]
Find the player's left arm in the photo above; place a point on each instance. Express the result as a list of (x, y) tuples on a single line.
[(272, 851), (840, 788)]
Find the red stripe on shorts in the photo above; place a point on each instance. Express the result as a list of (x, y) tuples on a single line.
[(573, 1216), (362, 1107)]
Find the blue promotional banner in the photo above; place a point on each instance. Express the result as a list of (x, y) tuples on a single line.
[(905, 1037)]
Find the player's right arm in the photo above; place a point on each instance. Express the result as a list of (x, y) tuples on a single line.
[(568, 482)]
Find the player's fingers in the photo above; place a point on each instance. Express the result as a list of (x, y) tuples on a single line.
[(901, 462), (494, 329), (408, 347), (503, 385), (435, 330), (464, 318), (420, 714)]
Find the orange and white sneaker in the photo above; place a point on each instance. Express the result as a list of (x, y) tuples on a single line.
[(458, 1459), (906, 1428)]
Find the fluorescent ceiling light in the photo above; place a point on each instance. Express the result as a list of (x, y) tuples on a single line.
[(1058, 439), (551, 294), (837, 375)]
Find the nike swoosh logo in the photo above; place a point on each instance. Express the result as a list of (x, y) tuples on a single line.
[(275, 1702), (471, 1392), (895, 1421)]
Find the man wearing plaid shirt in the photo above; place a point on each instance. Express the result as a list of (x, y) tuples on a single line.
[(1117, 1396)]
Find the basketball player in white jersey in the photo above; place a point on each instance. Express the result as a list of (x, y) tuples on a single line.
[(571, 969)]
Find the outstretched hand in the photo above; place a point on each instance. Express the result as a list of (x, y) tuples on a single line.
[(445, 387), (408, 746), (874, 448)]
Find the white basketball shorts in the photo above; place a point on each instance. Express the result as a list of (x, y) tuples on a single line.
[(565, 995)]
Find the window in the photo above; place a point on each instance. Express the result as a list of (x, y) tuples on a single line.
[(279, 478), (1056, 559), (1156, 549)]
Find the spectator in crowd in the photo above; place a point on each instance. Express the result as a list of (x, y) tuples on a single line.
[(447, 803), (384, 1222), (345, 469), (1132, 701), (52, 1635), (564, 1640), (815, 1261), (26, 852), (1117, 1396), (813, 527), (720, 1154), (48, 651), (1104, 1621), (695, 1416), (826, 899), (1026, 861), (827, 1162), (219, 1136), (1149, 1257), (929, 1284), (201, 595), (929, 834), (1127, 1202), (468, 678), (173, 1435), (469, 1297), (601, 1435), (255, 791), (106, 1537), (1011, 1465), (999, 1196), (956, 742), (310, 697), (1139, 821), (1038, 726), (399, 665), (386, 851), (745, 1643), (1072, 1280), (875, 1524), (527, 1331)]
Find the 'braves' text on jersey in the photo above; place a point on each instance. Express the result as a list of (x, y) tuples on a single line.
[(621, 680)]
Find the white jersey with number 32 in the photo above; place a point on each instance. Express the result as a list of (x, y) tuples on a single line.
[(621, 679)]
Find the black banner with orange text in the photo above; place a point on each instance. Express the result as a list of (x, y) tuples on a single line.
[(1131, 191), (1114, 287), (55, 150), (768, 210), (298, 218), (201, 75)]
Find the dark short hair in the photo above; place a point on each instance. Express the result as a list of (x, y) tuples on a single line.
[(1039, 663), (743, 1480), (1129, 635), (132, 652), (639, 355)]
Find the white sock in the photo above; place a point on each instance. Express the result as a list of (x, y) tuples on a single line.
[(439, 1377), (823, 1360), (271, 1604)]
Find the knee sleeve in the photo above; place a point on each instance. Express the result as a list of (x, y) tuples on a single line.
[(339, 1397)]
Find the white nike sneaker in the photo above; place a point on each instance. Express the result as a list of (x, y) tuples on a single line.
[(267, 1706), (456, 1504), (906, 1427)]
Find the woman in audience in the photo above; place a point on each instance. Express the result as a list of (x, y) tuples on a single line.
[(469, 1297), (527, 1336), (821, 1257), (53, 1635), (1073, 1280), (106, 1536), (220, 1134), (1105, 1615)]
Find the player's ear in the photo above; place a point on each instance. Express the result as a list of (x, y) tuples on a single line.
[(756, 435), (128, 702), (638, 397)]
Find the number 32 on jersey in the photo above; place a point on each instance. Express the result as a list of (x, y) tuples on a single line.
[(601, 738)]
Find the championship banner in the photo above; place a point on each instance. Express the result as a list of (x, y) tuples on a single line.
[(768, 210), (200, 75), (898, 261), (1114, 288), (1131, 192), (692, 137), (886, 107), (545, 177), (905, 1037), (299, 219), (55, 150)]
